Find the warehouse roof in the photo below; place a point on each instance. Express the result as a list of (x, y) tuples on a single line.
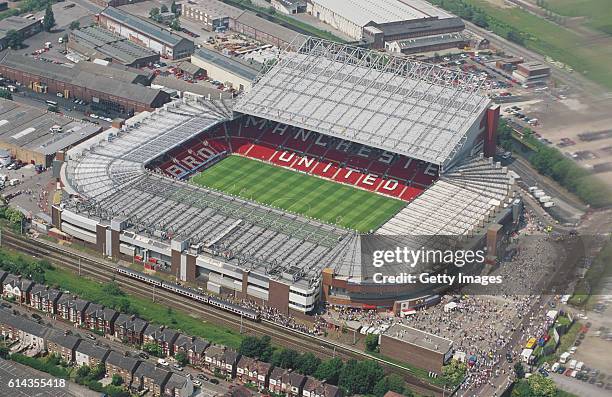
[(419, 338), (30, 128), (15, 23), (361, 12), (76, 76), (419, 110), (143, 26), (117, 72), (230, 65), (110, 44), (195, 88), (418, 42), (266, 27), (215, 8)]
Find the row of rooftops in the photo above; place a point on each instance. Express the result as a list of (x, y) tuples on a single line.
[(110, 81), (73, 343), (32, 128)]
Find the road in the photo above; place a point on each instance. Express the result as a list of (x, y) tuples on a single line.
[(573, 80), (103, 271)]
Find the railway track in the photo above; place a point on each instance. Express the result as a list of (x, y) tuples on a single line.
[(103, 271)]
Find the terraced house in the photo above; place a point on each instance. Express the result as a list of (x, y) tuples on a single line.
[(72, 309), (193, 347), (162, 337), (100, 319), (44, 298), (129, 329), (16, 287)]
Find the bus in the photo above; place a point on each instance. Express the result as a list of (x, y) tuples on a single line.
[(531, 343), (51, 103)]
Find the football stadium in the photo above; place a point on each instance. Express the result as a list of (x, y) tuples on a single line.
[(269, 195)]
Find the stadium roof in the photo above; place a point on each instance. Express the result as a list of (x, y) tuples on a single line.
[(108, 173), (419, 110), (361, 12)]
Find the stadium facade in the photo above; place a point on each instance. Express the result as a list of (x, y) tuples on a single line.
[(413, 131)]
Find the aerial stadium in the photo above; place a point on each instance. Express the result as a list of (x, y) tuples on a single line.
[(269, 196)]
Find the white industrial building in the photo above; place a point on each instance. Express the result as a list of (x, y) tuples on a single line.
[(229, 71), (384, 20)]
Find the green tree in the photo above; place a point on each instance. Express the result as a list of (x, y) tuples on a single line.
[(521, 389), (117, 380), (519, 370), (111, 288), (454, 372), (14, 39), (49, 19), (260, 348), (360, 377), (153, 349), (154, 14), (371, 342), (541, 386), (164, 8), (4, 351), (74, 25), (285, 358), (175, 24), (329, 370), (392, 382), (174, 8), (181, 358), (307, 364)]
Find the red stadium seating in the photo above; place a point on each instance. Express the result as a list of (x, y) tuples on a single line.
[(330, 158)]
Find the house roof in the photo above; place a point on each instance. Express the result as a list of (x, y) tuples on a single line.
[(160, 333), (68, 341), (192, 343), (23, 324), (157, 375), (294, 379), (124, 362), (277, 373), (73, 302), (18, 281), (130, 322), (92, 350), (176, 381)]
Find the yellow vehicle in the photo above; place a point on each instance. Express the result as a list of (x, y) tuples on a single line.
[(531, 343)]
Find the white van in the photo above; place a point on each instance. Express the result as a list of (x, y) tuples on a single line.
[(563, 358), (14, 182), (572, 364)]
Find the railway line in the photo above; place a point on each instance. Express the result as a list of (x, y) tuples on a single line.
[(283, 336)]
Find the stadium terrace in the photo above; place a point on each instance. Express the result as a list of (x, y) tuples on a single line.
[(404, 130)]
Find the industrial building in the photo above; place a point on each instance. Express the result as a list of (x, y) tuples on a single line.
[(410, 345), (213, 15), (289, 6), (107, 94), (114, 3), (384, 20), (532, 73), (26, 27), (145, 33), (127, 74), (230, 71), (94, 42), (428, 43), (33, 136)]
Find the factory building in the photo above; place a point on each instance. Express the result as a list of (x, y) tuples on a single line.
[(532, 73), (33, 136), (410, 345), (229, 71), (384, 20), (93, 42), (146, 34), (26, 27), (428, 43), (107, 94)]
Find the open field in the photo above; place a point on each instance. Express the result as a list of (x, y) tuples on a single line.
[(299, 193), (564, 45), (598, 12)]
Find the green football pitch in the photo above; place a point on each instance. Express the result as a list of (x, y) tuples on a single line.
[(299, 193)]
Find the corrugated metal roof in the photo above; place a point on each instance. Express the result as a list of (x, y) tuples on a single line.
[(361, 12), (143, 26), (226, 63)]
